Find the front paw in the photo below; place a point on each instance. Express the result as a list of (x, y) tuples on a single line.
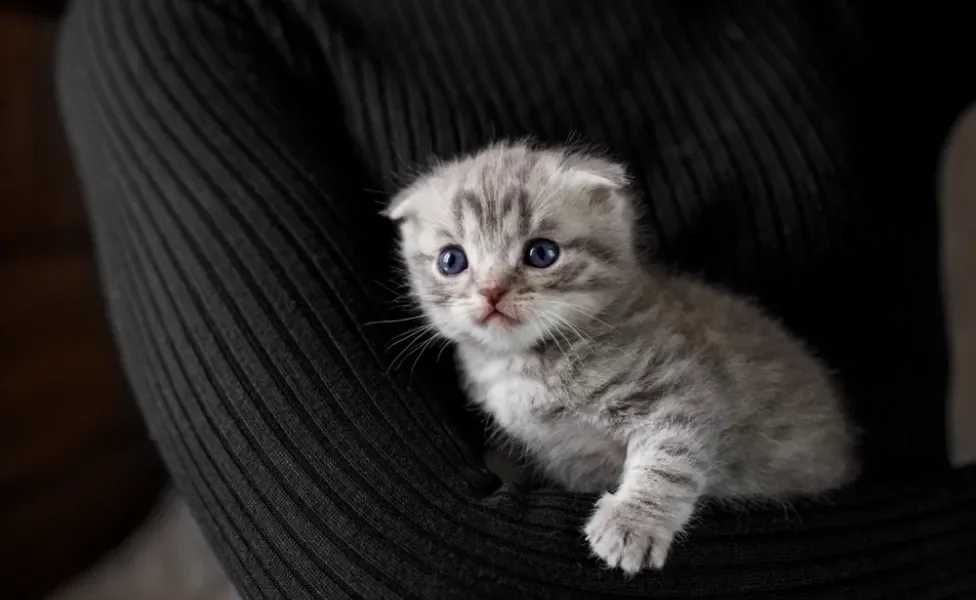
[(624, 535)]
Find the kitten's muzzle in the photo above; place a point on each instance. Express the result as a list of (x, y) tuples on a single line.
[(493, 294), (495, 316)]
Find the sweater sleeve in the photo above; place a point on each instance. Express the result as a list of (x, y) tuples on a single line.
[(241, 256)]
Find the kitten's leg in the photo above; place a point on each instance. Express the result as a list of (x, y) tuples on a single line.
[(664, 476)]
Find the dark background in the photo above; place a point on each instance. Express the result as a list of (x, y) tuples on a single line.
[(76, 471)]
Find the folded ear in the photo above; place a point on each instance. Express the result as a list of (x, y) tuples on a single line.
[(400, 206), (593, 171)]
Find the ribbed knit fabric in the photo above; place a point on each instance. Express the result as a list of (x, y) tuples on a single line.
[(235, 156)]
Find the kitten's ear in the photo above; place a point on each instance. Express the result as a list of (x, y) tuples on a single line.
[(400, 207), (593, 171)]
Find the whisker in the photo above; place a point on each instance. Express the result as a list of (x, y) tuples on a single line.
[(369, 323), (388, 288), (560, 331), (548, 333), (409, 335), (444, 346), (572, 306), (534, 323), (563, 321), (418, 342), (401, 337), (420, 353)]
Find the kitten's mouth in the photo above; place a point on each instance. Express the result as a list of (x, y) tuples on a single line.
[(496, 317)]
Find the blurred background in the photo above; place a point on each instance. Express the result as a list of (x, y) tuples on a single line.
[(77, 473)]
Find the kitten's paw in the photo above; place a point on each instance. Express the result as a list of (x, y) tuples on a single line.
[(625, 537)]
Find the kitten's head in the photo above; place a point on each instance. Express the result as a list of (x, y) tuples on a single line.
[(514, 245)]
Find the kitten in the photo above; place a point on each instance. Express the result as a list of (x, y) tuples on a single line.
[(614, 377)]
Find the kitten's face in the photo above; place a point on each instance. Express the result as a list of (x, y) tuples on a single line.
[(513, 246)]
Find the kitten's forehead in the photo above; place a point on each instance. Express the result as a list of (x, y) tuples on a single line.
[(492, 202), (503, 192)]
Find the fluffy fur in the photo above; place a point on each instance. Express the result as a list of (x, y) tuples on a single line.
[(614, 376)]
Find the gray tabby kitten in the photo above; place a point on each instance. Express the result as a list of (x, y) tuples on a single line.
[(616, 378)]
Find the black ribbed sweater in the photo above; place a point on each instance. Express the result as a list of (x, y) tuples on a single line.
[(235, 155)]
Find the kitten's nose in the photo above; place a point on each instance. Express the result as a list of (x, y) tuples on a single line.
[(493, 294)]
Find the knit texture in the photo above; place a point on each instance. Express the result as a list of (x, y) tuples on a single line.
[(235, 156)]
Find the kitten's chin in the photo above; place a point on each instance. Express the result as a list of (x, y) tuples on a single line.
[(503, 338), (498, 336)]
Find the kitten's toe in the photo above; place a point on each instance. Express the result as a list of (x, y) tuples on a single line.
[(625, 537)]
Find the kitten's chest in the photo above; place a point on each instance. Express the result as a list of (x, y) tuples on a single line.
[(540, 409), (517, 391)]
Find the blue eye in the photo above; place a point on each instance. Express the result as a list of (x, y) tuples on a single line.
[(541, 253), (452, 260)]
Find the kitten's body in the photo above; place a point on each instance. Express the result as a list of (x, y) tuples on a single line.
[(676, 349), (614, 377)]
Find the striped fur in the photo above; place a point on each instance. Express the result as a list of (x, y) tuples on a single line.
[(649, 388)]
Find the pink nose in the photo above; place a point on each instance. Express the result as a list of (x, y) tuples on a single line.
[(493, 294)]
